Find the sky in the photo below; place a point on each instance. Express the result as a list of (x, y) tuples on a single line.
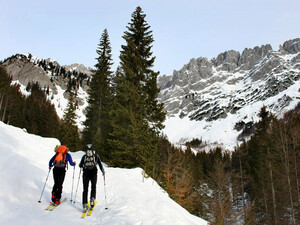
[(69, 31), (129, 199)]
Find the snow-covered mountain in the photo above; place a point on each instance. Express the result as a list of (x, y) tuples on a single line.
[(214, 100), (60, 80), (23, 170)]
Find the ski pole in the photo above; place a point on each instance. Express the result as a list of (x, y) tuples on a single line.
[(77, 186), (105, 191), (72, 184), (44, 185)]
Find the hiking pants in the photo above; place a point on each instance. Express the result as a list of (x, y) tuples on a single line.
[(89, 175), (58, 176)]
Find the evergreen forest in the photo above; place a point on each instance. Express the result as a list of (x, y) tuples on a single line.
[(257, 183)]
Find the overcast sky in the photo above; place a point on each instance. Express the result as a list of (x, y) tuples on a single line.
[(69, 30)]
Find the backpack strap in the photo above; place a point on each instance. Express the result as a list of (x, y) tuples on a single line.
[(65, 159)]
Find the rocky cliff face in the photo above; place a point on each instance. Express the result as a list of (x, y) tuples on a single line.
[(47, 72), (210, 89), (59, 80), (224, 95)]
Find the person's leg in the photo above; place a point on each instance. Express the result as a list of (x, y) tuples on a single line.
[(93, 189), (54, 189), (60, 181), (94, 185), (85, 180)]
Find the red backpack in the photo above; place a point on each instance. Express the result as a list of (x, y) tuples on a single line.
[(60, 158)]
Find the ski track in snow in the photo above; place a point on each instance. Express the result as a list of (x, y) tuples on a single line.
[(23, 170)]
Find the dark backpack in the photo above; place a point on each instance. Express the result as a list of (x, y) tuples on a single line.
[(60, 158), (89, 159)]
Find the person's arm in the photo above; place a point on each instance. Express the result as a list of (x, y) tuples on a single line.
[(69, 158), (81, 162), (100, 164), (51, 161)]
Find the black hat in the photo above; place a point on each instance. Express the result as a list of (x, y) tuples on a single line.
[(89, 147)]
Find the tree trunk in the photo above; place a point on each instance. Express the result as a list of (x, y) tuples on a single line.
[(242, 185), (1, 102), (4, 111), (296, 171), (287, 170), (273, 190), (266, 203)]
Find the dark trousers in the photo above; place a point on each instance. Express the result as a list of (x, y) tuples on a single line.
[(59, 177), (89, 175)]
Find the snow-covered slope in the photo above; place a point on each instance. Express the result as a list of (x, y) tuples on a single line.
[(23, 170)]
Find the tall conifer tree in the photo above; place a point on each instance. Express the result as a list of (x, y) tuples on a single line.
[(97, 125), (69, 135), (136, 127)]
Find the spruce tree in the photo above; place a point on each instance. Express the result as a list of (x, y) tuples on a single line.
[(97, 126), (124, 123), (69, 135), (135, 131)]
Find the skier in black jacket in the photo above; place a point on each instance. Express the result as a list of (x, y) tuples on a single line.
[(89, 164)]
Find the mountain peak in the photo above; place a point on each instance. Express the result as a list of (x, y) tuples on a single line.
[(292, 46)]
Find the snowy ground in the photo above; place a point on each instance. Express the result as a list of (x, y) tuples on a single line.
[(23, 171)]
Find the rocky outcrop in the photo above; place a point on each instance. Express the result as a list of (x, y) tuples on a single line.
[(250, 57), (48, 73), (292, 46), (21, 69), (227, 61), (80, 68)]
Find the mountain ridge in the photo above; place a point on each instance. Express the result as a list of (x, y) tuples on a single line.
[(230, 67), (209, 91), (203, 93)]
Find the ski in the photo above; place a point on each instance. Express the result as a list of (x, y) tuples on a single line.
[(84, 213), (52, 207), (91, 209), (49, 206)]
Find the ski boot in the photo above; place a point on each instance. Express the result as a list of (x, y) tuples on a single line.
[(92, 202), (57, 202), (85, 207), (53, 197)]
